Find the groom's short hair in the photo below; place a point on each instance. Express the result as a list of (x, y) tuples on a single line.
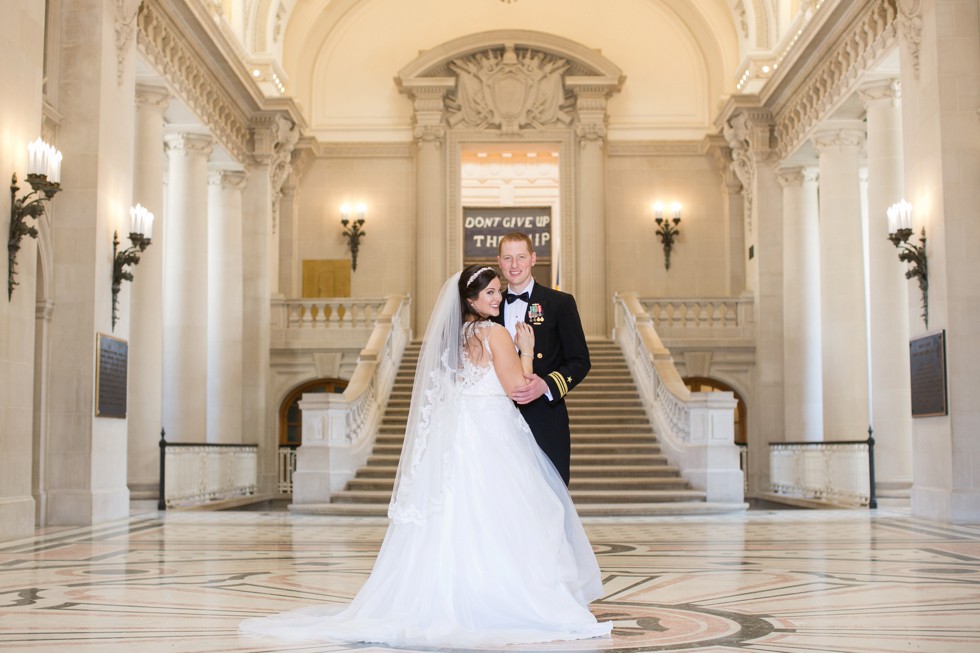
[(514, 237)]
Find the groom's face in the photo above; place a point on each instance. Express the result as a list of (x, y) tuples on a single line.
[(515, 261)]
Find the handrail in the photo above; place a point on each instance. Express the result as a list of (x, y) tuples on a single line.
[(220, 472), (696, 430), (815, 480)]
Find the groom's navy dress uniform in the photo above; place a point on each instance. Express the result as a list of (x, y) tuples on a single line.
[(561, 358)]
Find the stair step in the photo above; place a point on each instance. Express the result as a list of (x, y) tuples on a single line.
[(578, 496), (385, 484), (380, 510)]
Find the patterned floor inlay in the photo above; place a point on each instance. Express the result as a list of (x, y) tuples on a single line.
[(775, 582)]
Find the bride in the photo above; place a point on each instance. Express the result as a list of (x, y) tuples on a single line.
[(484, 546)]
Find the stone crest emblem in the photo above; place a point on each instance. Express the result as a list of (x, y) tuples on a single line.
[(509, 90)]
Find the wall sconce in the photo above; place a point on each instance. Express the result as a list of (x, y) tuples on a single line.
[(44, 176), (665, 230), (352, 230), (140, 233), (899, 232)]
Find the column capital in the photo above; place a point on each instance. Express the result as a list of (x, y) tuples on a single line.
[(846, 135), (433, 134), (227, 178), (189, 142), (153, 97), (884, 90), (796, 175)]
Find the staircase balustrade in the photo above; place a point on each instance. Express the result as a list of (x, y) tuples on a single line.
[(339, 430), (701, 318), (696, 429)]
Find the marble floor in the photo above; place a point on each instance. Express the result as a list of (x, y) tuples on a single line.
[(782, 581)]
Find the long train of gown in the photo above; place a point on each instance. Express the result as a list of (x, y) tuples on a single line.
[(505, 561)]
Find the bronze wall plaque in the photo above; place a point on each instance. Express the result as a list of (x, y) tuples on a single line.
[(110, 377), (927, 357)]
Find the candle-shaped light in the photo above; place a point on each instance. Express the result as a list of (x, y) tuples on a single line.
[(56, 168), (675, 208), (344, 213), (34, 157), (361, 211), (658, 211)]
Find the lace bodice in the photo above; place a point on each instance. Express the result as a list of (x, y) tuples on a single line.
[(477, 378)]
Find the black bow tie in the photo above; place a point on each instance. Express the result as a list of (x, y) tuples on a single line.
[(524, 297)]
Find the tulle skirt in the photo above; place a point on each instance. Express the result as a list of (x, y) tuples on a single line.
[(505, 560)]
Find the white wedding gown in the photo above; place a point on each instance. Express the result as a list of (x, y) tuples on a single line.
[(504, 561)]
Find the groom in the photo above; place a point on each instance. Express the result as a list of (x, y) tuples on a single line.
[(561, 357)]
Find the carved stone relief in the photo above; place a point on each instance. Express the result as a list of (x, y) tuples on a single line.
[(509, 90)]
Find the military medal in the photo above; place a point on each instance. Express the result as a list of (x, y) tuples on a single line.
[(535, 314)]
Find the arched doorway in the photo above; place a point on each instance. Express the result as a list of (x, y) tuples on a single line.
[(291, 426), (705, 384)]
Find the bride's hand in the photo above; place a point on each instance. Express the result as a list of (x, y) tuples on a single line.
[(524, 338)]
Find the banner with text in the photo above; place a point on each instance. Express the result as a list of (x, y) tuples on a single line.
[(483, 228)]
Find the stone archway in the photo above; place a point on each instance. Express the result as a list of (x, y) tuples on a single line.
[(502, 86)]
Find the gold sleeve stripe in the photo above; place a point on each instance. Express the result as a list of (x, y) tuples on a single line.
[(559, 382)]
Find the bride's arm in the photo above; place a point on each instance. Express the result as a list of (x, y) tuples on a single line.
[(506, 361)]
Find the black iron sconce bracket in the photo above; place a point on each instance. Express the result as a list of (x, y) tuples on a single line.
[(915, 257), (120, 260), (353, 232), (667, 230), (22, 208)]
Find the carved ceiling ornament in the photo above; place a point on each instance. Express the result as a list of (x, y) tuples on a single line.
[(509, 90), (125, 24)]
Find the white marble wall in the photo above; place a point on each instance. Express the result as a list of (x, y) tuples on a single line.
[(22, 73), (942, 166), (86, 457)]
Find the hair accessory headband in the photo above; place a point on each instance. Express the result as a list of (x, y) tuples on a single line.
[(475, 275)]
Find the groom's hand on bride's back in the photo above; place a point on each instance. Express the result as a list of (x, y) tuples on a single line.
[(525, 394)]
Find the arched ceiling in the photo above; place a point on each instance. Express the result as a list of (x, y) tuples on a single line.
[(679, 57)]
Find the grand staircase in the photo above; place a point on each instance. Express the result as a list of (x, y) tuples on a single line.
[(617, 466)]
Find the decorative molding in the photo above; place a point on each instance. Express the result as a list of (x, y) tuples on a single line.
[(125, 23), (166, 48), (743, 21), (364, 151), (910, 23), (274, 138), (655, 148), (590, 133), (509, 90), (856, 51), (737, 134), (431, 134)]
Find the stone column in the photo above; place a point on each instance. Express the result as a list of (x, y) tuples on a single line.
[(845, 373), (939, 71), (430, 201), (591, 293), (802, 364), (185, 297), (733, 204), (892, 404), (767, 421), (225, 317), (146, 299)]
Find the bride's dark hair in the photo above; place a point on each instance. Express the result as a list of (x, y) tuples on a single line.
[(472, 280)]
